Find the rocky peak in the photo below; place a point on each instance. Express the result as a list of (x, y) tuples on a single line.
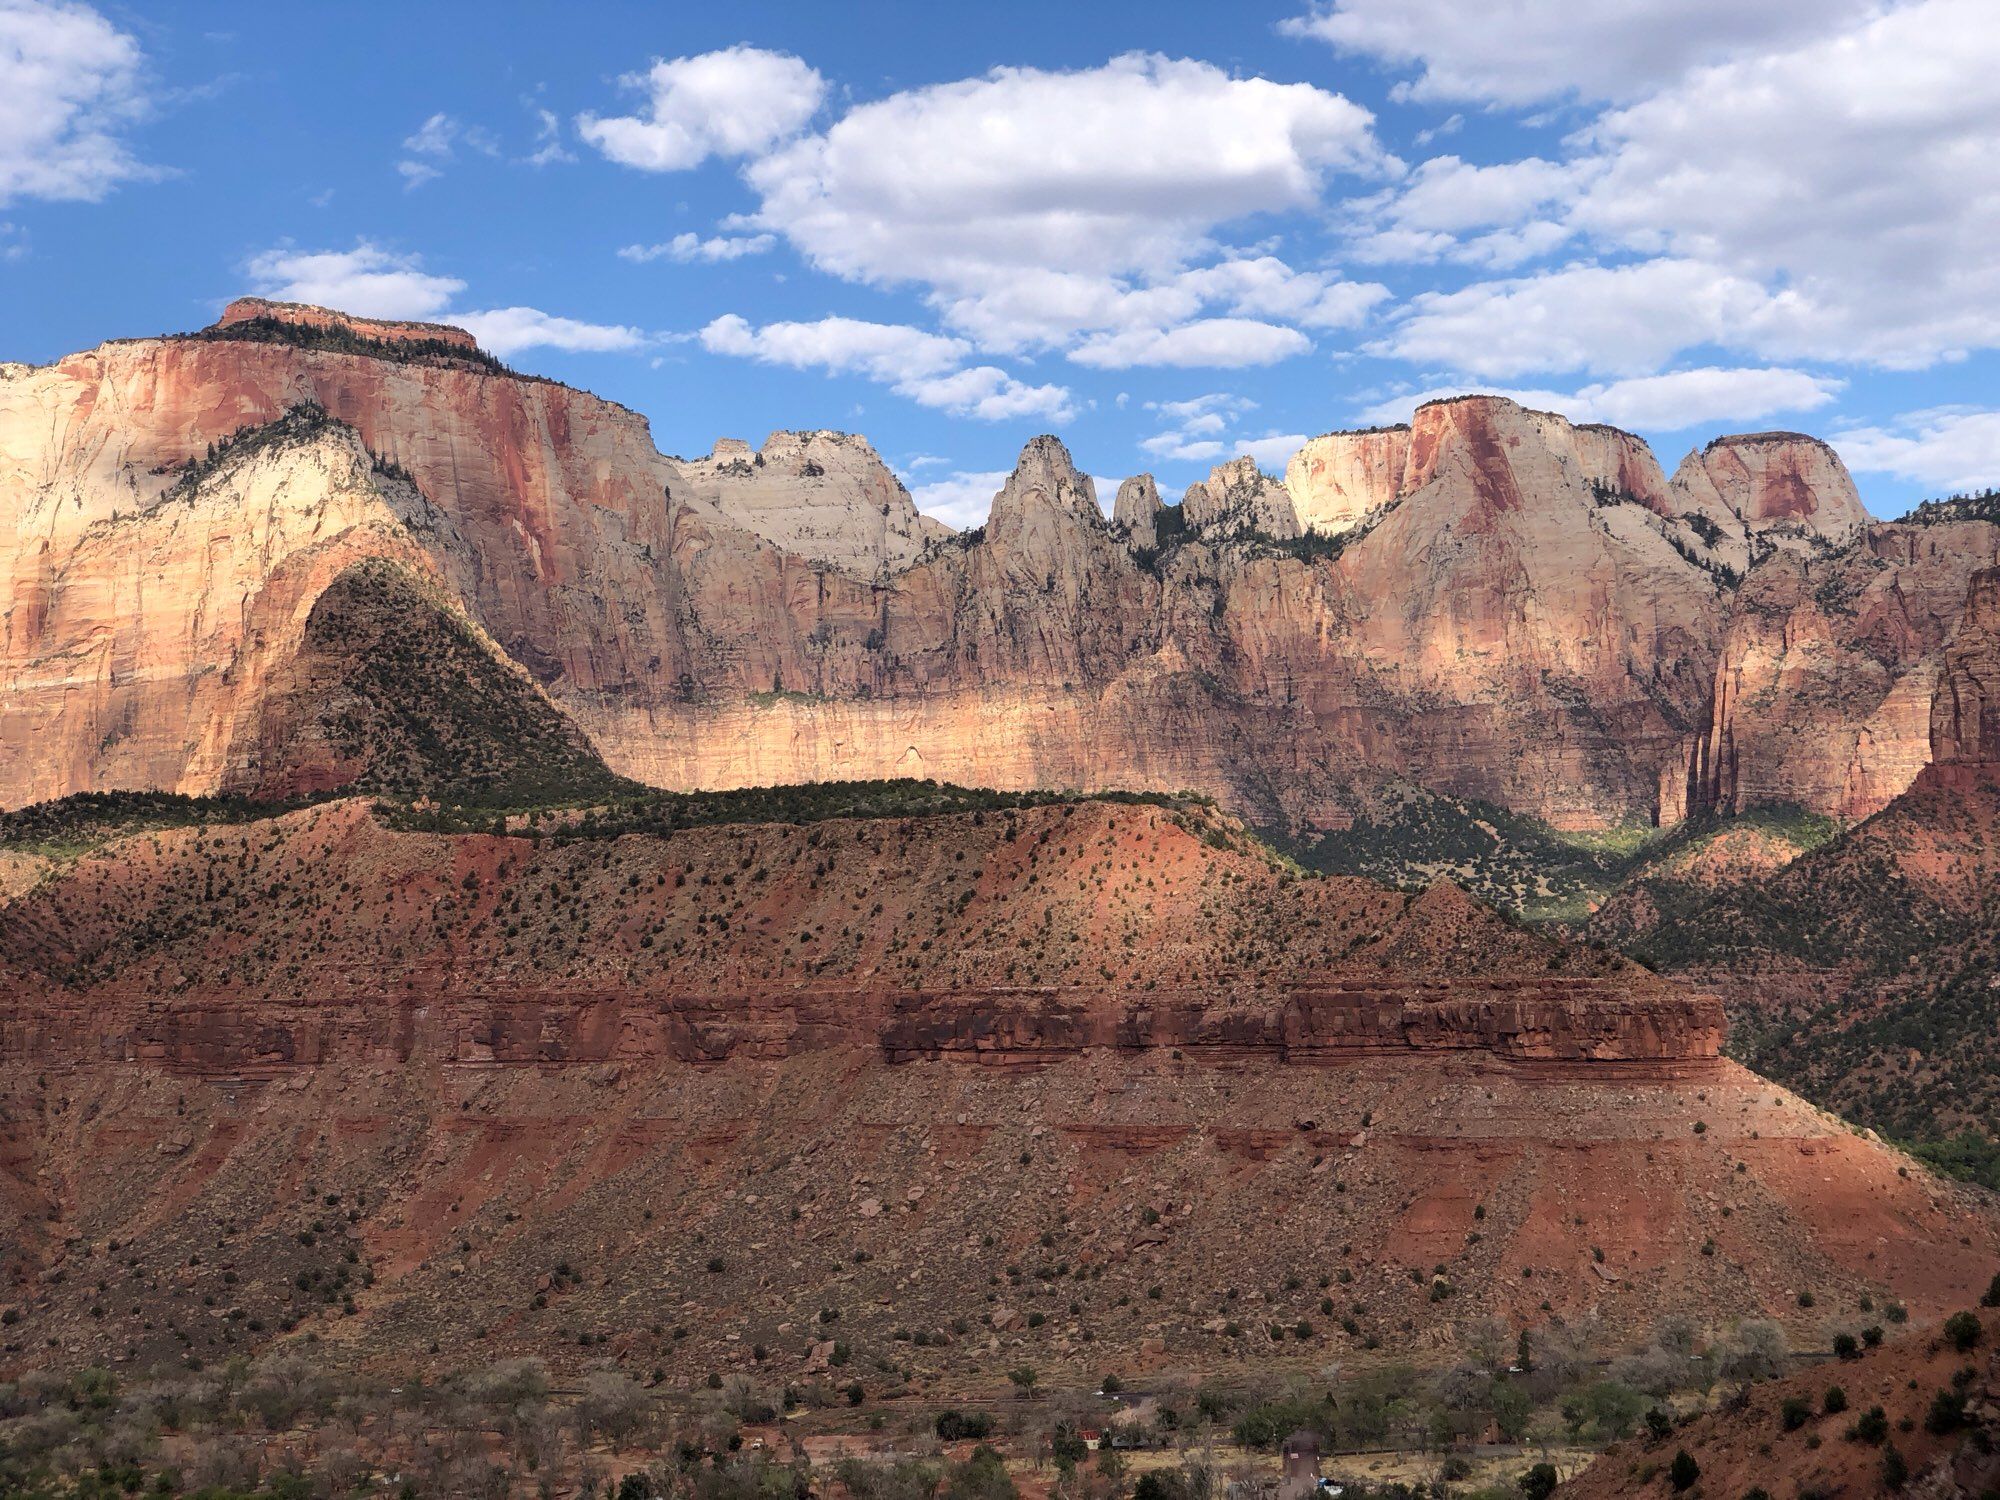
[(1237, 498), (1136, 512), (823, 495), (1774, 482), (381, 330), (1045, 479), (1965, 714)]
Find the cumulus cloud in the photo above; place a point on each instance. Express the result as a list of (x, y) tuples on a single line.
[(732, 103), (927, 368), (1215, 343), (1827, 187), (1034, 206), (367, 280), (1952, 449), (881, 351), (1620, 320), (373, 282), (70, 83), (1523, 54), (1653, 403), (1433, 213), (1183, 446), (692, 247), (1200, 432), (1857, 175), (508, 330)]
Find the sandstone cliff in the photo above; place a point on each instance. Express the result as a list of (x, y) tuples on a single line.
[(1965, 716), (1516, 610)]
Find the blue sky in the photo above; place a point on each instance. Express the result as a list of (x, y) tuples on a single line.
[(1168, 232)]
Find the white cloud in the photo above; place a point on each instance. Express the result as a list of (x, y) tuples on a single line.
[(1826, 187), (736, 102), (1265, 287), (1217, 343), (1857, 175), (435, 143), (925, 367), (881, 351), (13, 242), (1620, 320), (549, 147), (69, 83), (1215, 405), (692, 247), (1201, 432), (1430, 214), (367, 280), (1273, 451), (1182, 446), (372, 282), (961, 499), (1946, 449), (507, 330), (1033, 206), (1523, 53), (989, 393), (1653, 403)]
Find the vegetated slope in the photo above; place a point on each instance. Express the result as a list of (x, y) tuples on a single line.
[(1067, 1085), (1675, 873), (1607, 885), (1921, 1415), (1404, 835), (1865, 974), (393, 690)]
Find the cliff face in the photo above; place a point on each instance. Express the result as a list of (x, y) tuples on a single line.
[(1776, 481), (1965, 715), (1337, 481), (1828, 668), (1238, 499), (1519, 610)]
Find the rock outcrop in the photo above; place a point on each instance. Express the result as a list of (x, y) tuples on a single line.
[(821, 495), (308, 319), (1774, 482), (1136, 512), (1238, 499), (1339, 481)]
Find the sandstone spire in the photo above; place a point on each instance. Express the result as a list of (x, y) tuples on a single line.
[(1136, 512)]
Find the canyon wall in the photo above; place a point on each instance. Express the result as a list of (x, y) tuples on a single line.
[(1492, 602)]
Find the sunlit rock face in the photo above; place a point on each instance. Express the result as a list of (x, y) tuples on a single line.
[(1493, 601)]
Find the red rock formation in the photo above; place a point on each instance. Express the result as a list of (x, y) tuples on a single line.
[(933, 1042), (1823, 691), (1965, 715), (1776, 480), (383, 330)]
